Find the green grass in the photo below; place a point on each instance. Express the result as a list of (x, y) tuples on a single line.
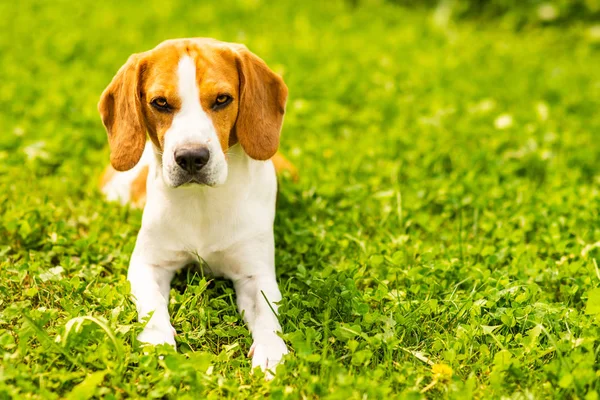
[(443, 241)]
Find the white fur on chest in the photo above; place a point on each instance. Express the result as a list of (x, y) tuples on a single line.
[(180, 224)]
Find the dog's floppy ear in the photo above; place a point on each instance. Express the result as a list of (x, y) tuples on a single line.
[(261, 106), (120, 109)]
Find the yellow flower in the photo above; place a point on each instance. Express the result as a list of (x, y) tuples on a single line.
[(441, 372)]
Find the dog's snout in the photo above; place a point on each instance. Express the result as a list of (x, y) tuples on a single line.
[(192, 159)]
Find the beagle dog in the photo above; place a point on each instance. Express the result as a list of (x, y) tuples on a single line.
[(213, 112)]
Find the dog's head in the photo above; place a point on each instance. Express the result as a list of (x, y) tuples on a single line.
[(195, 98)]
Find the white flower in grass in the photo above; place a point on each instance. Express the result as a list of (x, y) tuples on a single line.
[(36, 150), (503, 121)]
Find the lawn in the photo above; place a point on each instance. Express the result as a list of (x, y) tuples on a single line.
[(443, 240)]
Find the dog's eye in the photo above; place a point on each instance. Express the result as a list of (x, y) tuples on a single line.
[(222, 100), (160, 103)]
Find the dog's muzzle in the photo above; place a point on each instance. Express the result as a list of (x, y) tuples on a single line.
[(191, 161)]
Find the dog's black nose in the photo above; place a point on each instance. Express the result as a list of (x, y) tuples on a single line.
[(192, 159)]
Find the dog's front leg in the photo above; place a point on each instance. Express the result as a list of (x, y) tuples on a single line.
[(257, 296), (250, 264), (150, 286)]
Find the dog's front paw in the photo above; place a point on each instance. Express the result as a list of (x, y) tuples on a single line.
[(267, 353), (158, 335)]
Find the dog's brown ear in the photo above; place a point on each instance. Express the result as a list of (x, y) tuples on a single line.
[(261, 107), (120, 109)]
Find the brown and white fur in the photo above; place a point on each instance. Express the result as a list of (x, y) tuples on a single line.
[(213, 113)]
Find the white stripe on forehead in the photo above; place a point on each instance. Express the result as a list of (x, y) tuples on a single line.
[(188, 87), (190, 124)]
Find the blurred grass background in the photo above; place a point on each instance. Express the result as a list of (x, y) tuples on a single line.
[(442, 242), (517, 13)]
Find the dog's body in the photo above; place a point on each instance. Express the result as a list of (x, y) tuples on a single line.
[(213, 112)]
